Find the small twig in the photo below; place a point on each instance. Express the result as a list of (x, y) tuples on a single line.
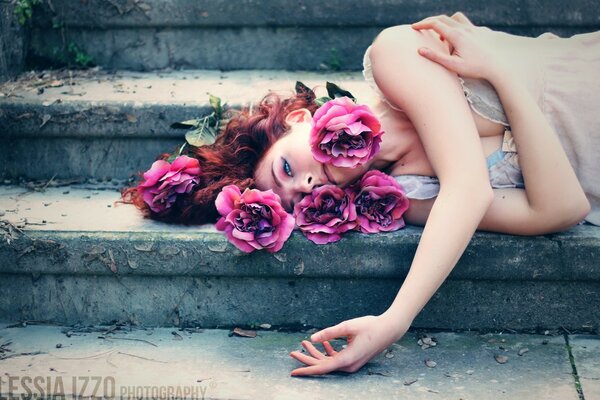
[(47, 183), (143, 358), (122, 338), (35, 353), (86, 357)]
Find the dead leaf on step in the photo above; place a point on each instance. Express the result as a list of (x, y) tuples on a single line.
[(143, 246), (56, 83), (382, 373), (523, 351), (131, 118), (409, 382), (111, 262), (244, 333), (45, 119), (430, 363), (500, 359)]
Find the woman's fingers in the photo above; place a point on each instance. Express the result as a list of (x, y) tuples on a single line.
[(448, 61), (312, 350), (329, 348), (303, 358), (461, 18), (442, 29), (339, 330), (323, 367)]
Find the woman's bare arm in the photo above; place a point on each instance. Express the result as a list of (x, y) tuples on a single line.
[(553, 198), (432, 98)]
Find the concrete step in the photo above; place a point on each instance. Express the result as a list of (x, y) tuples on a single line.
[(120, 361), (284, 34), (82, 258), (95, 124)]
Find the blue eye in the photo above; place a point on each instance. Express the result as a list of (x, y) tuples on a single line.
[(286, 168)]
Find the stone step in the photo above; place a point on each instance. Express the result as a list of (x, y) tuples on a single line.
[(95, 124), (81, 258), (142, 362), (263, 34)]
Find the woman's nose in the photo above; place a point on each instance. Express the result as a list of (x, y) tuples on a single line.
[(309, 183)]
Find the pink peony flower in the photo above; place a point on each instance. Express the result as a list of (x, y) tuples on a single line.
[(325, 213), (344, 134), (380, 203), (163, 182), (253, 220)]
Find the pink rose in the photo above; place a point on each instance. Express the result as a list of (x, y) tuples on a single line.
[(253, 220), (325, 213), (380, 203), (344, 134), (164, 181)]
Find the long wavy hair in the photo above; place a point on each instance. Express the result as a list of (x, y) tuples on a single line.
[(231, 159)]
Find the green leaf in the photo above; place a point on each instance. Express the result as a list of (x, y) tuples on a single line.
[(335, 91), (172, 158), (192, 123), (201, 136), (322, 100), (215, 102)]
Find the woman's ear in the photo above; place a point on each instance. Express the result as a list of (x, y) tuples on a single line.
[(297, 116)]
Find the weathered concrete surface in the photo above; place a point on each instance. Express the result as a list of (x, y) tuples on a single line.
[(249, 368), (95, 124), (586, 353), (176, 275), (314, 13), (227, 35), (12, 43), (242, 48)]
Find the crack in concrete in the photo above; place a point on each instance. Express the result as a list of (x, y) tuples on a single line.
[(577, 382)]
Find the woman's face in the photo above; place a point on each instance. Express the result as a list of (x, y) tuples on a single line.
[(289, 169)]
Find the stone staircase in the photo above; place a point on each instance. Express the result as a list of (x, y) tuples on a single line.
[(71, 138)]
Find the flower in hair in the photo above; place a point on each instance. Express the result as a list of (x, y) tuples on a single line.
[(325, 214), (344, 134), (164, 181), (253, 220), (380, 203)]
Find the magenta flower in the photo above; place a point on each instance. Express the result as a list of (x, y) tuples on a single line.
[(380, 203), (344, 134), (325, 214), (163, 182), (253, 220)]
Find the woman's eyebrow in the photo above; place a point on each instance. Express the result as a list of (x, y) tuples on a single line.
[(273, 173)]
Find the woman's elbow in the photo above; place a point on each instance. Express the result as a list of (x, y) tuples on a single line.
[(566, 217), (579, 210)]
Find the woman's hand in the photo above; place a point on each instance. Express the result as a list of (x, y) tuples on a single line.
[(471, 51), (367, 337)]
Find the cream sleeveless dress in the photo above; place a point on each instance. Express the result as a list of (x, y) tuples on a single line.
[(563, 74)]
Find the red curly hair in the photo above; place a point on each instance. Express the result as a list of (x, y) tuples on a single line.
[(231, 159)]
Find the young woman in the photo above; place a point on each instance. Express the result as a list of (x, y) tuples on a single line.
[(507, 124)]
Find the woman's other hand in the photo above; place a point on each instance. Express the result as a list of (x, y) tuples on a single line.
[(367, 337), (471, 47)]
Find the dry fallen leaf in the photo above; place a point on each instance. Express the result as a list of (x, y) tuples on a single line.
[(265, 326), (523, 351), (501, 359), (409, 382), (389, 354), (176, 336), (430, 363), (244, 333)]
